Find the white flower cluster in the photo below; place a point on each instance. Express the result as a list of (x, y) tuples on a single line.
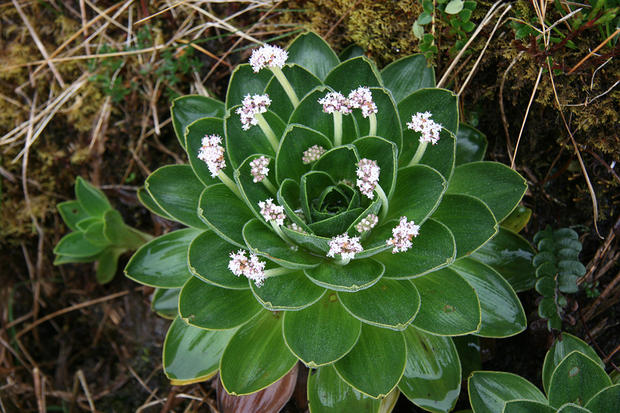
[(344, 245), (422, 122), (272, 212), (361, 98), (312, 154), (367, 223), (212, 153), (268, 56), (335, 102), (402, 235), (368, 176), (294, 227), (258, 168), (251, 267), (251, 106)]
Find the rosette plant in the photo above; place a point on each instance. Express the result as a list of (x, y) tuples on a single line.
[(333, 215)]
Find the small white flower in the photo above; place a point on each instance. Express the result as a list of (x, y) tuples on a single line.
[(402, 235), (258, 168), (252, 267), (272, 212), (361, 98), (344, 245), (367, 223), (312, 154), (294, 227), (422, 122), (368, 174), (335, 102), (268, 56), (251, 106), (212, 153)]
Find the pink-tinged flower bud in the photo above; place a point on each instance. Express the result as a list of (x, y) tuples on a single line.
[(344, 245), (251, 106), (335, 102), (272, 212), (361, 98), (368, 174), (268, 56), (367, 223), (312, 154), (422, 122), (212, 153), (258, 168), (251, 267), (402, 235)]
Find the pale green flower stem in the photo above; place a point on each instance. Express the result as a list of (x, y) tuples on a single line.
[(286, 85), (269, 133), (384, 201), (274, 272), (372, 119), (342, 261), (337, 128), (278, 231), (229, 183), (269, 186), (418, 153)]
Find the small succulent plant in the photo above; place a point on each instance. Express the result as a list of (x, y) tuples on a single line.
[(336, 215)]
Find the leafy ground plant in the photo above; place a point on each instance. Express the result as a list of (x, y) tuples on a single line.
[(573, 377), (336, 215)]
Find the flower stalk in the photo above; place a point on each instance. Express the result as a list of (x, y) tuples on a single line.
[(419, 153), (269, 133), (385, 205), (372, 119), (279, 74), (229, 183), (337, 128)]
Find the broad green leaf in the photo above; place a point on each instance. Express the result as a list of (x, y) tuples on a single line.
[(242, 143), (76, 245), (296, 140), (195, 132), (454, 6), (313, 53), (312, 186), (210, 307), (440, 156), (490, 390), (562, 347), (407, 75), (291, 291), (468, 348), (95, 235), (449, 307), (352, 73), (68, 259), (607, 400), (243, 81), (225, 213), (246, 367), (265, 242), (91, 199), (288, 198), (388, 122), (83, 224), (527, 406), (495, 184), (418, 192), (337, 224), (147, 200), (71, 213), (192, 354), (386, 155), (328, 393), (165, 302), (356, 275), (187, 109), (389, 304), (572, 408), (302, 82), (120, 234), (501, 310), (432, 249), (510, 255), (163, 261), (518, 219), (208, 259), (576, 380), (322, 333), (350, 52), (471, 145), (376, 363), (471, 222), (432, 378), (311, 242), (340, 163), (176, 190), (107, 264), (254, 192)]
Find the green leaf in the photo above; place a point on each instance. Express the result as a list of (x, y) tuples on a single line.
[(468, 348), (72, 213), (187, 109), (449, 306), (501, 310), (340, 163), (91, 199), (454, 6), (246, 367), (352, 73), (302, 82), (510, 255), (176, 190), (489, 390), (120, 234), (562, 347), (296, 140), (242, 143), (328, 393), (163, 261), (495, 184), (432, 249), (311, 242), (94, 234), (243, 81), (470, 221), (388, 122), (313, 53), (471, 145), (292, 291), (518, 219), (350, 52), (407, 75), (253, 192), (440, 156), (418, 192), (165, 302), (576, 380), (224, 212), (192, 354), (386, 154), (195, 132), (432, 378), (356, 275), (264, 242), (572, 408), (67, 259), (76, 245), (107, 263), (147, 200), (87, 222), (338, 331), (376, 363), (607, 400), (527, 406), (337, 224), (288, 198), (389, 304), (210, 307), (208, 259)]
